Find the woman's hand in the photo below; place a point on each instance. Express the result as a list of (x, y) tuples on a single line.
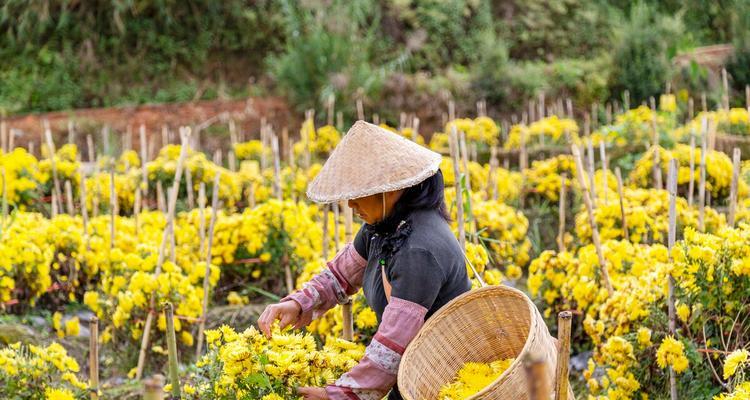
[(287, 312), (312, 393)]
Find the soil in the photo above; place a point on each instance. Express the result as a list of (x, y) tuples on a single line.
[(200, 115)]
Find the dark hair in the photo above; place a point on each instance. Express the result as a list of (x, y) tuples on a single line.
[(426, 195)]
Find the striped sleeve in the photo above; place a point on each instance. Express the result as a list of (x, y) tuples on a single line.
[(376, 373), (334, 285)]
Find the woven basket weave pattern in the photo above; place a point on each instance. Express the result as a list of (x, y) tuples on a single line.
[(483, 325)]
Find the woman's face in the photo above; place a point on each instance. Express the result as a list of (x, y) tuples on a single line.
[(370, 208)]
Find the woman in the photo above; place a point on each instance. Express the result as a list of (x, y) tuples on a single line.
[(405, 256)]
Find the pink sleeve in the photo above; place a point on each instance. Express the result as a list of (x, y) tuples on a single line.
[(376, 373), (335, 284)]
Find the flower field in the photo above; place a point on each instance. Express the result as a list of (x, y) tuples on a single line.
[(117, 235)]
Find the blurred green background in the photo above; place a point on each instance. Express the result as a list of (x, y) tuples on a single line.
[(393, 54)]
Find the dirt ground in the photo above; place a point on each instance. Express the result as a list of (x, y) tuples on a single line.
[(200, 115)]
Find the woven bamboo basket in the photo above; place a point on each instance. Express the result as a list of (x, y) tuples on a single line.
[(483, 325)]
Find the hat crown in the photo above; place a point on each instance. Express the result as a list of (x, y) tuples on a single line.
[(370, 160)]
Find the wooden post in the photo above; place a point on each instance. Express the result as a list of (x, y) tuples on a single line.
[(209, 258), (201, 216), (346, 308), (691, 184), (232, 161), (11, 139), (702, 183), (671, 236), (733, 188), (592, 221), (656, 169), (536, 377), (624, 222), (160, 197), (276, 167), (189, 188), (153, 388), (174, 377), (360, 110), (4, 136), (415, 129), (563, 355), (725, 86), (325, 231), (112, 208), (94, 357), (691, 108), (523, 164), (605, 169), (561, 216), (69, 198), (591, 168), (144, 160), (454, 149), (185, 137), (491, 180), (51, 149), (84, 211)]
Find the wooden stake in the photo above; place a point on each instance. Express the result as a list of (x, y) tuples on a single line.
[(691, 109), (12, 139), (144, 160), (4, 136), (164, 136), (201, 216), (209, 259), (626, 100), (624, 222), (594, 230), (656, 169), (454, 149), (51, 149), (591, 168), (276, 167), (563, 355), (185, 137), (329, 109), (112, 208), (691, 184), (189, 188), (174, 377), (561, 216), (251, 195), (54, 205), (536, 377), (309, 116), (160, 197), (336, 214), (702, 183), (704, 102), (415, 129), (605, 169), (725, 85), (94, 357), (69, 198), (733, 188), (84, 211), (346, 308), (671, 236), (360, 110), (31, 147), (491, 186)]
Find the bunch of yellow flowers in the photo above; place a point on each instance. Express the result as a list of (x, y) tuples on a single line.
[(33, 372), (718, 171), (249, 365), (22, 177), (548, 130), (543, 179), (472, 378)]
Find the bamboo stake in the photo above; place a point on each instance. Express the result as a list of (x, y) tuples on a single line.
[(491, 186), (144, 160), (11, 139), (309, 116), (325, 231), (232, 160), (51, 148), (31, 147), (536, 377), (174, 377), (251, 195), (160, 197), (704, 102), (112, 208), (415, 129), (276, 167), (625, 233), (360, 110), (94, 357), (591, 168), (672, 187), (54, 205), (725, 85), (733, 187), (339, 120), (153, 388), (691, 184), (201, 215), (561, 216), (523, 164), (454, 149), (605, 169), (284, 143), (189, 188), (563, 355), (702, 183), (209, 258), (691, 109), (185, 136), (346, 308), (592, 221), (335, 208), (656, 169), (747, 98), (164, 136), (84, 211), (127, 140)]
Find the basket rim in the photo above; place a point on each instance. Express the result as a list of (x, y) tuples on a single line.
[(465, 297)]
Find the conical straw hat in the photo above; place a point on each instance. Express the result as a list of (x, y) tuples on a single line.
[(371, 160)]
